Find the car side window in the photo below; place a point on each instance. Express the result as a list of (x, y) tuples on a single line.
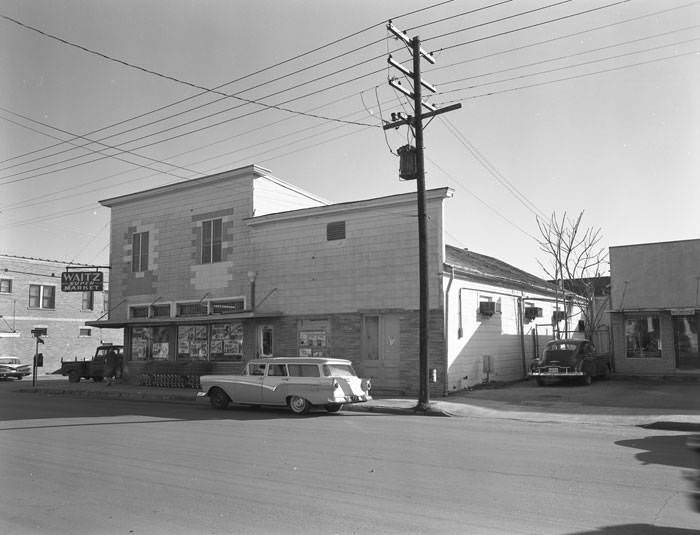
[(304, 370), (256, 369), (277, 370)]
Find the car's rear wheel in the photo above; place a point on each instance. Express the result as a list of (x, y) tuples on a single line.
[(587, 379), (219, 399), (334, 407), (299, 405), (541, 382), (74, 376), (19, 377)]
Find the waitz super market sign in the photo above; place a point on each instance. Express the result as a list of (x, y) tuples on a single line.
[(81, 281)]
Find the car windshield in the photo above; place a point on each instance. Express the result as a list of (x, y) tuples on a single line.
[(9, 360), (560, 346), (338, 370)]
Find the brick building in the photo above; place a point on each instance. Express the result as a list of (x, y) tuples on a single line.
[(225, 268), (31, 297), (655, 307)]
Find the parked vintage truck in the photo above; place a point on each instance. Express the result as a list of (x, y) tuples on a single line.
[(89, 369)]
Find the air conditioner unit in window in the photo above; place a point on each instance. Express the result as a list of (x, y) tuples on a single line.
[(558, 315), (487, 308), (533, 312)]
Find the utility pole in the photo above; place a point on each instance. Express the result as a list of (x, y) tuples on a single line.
[(418, 173)]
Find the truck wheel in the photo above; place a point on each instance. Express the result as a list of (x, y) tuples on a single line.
[(74, 376), (299, 405), (219, 399)]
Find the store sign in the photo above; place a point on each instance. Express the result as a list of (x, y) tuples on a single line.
[(81, 281)]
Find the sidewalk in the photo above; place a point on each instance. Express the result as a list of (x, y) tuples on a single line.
[(654, 403)]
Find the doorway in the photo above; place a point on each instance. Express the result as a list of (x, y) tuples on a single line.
[(685, 336)]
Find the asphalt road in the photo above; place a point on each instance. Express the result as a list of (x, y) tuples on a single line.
[(105, 466)]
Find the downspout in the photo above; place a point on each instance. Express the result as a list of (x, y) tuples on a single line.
[(521, 328), (446, 333)]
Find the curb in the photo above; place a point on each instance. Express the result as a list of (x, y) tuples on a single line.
[(650, 421)]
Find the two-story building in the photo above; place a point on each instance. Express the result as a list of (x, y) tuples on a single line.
[(238, 265), (31, 298), (655, 307)]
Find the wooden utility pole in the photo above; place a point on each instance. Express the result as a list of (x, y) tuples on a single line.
[(423, 262)]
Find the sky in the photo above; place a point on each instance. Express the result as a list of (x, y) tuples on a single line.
[(566, 106)]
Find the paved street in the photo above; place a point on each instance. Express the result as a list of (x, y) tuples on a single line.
[(75, 465)]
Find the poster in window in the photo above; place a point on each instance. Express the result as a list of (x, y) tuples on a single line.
[(160, 350), (192, 342), (227, 338), (313, 344), (139, 343)]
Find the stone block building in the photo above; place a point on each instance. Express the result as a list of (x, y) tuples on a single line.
[(238, 265), (31, 297)]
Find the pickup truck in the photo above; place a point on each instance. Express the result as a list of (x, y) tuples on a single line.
[(89, 369)]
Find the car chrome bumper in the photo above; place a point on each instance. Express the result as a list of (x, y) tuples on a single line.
[(351, 399), (202, 395), (561, 373)]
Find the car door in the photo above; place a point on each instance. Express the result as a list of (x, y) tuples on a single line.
[(274, 385), (248, 388)]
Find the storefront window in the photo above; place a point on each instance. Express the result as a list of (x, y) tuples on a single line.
[(140, 338), (312, 344), (160, 343), (227, 341), (192, 342), (643, 337), (150, 343)]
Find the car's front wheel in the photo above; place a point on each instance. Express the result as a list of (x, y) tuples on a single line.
[(299, 405), (74, 376), (219, 399), (334, 407)]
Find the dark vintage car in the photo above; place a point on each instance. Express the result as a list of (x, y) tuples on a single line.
[(570, 359)]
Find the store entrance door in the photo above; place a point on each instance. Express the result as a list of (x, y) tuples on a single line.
[(685, 335)]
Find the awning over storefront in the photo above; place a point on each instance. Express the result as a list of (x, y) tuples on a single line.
[(183, 320)]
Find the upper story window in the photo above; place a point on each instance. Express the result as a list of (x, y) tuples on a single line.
[(335, 230), (88, 301), (6, 286), (41, 296), (211, 241), (139, 252)]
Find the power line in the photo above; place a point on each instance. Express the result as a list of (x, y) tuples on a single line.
[(88, 149), (493, 171), (259, 85), (168, 77), (259, 71), (566, 36), (528, 27), (548, 71)]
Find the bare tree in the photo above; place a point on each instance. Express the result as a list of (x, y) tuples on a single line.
[(575, 261)]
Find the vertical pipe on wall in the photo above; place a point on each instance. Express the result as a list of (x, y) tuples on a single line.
[(521, 329)]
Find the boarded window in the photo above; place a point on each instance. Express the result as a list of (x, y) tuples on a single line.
[(335, 230)]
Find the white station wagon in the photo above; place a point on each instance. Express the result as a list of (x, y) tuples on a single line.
[(299, 383)]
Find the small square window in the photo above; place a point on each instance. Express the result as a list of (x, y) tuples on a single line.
[(6, 286), (85, 331), (335, 230)]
